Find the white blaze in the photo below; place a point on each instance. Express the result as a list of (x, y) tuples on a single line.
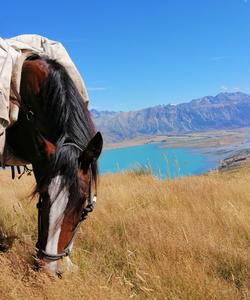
[(59, 202)]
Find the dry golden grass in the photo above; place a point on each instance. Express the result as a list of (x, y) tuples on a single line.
[(187, 238)]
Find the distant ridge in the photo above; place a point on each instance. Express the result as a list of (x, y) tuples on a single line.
[(224, 111)]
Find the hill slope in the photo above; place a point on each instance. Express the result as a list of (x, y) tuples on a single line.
[(147, 238), (224, 111)]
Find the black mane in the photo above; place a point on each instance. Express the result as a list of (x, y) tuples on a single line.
[(68, 121)]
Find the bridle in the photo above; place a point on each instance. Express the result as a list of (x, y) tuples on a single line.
[(54, 257), (86, 210), (30, 117)]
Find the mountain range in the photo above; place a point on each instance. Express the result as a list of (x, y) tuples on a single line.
[(223, 111)]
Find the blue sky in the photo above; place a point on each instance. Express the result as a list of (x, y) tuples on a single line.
[(138, 53)]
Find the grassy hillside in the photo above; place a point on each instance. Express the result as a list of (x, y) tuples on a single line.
[(147, 239)]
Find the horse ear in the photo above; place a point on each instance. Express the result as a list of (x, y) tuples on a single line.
[(93, 150), (49, 147)]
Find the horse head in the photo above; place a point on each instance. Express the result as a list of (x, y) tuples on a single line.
[(65, 199), (56, 134)]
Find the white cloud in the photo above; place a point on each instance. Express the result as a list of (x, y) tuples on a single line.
[(94, 107), (97, 88), (224, 88)]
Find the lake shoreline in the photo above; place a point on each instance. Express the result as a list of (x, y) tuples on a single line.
[(214, 146), (204, 139)]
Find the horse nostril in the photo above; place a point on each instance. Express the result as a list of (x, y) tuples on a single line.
[(60, 270), (59, 274)]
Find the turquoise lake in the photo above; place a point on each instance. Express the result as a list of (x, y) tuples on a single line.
[(164, 162)]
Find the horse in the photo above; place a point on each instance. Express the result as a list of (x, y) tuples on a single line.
[(55, 133)]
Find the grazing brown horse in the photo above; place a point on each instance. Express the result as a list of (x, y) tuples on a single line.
[(55, 133)]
